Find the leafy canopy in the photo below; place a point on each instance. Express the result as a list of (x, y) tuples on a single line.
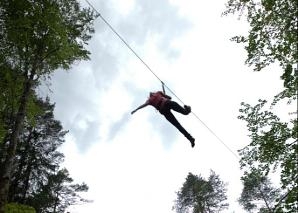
[(44, 35), (272, 36), (258, 192)]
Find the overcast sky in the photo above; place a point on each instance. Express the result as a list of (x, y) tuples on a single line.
[(137, 163)]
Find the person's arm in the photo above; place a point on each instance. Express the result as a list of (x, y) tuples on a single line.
[(168, 97), (140, 107), (164, 92), (164, 95)]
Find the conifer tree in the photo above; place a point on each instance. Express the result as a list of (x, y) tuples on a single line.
[(199, 195)]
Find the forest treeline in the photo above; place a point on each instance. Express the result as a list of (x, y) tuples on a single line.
[(37, 38)]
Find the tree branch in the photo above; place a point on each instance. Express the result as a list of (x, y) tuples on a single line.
[(282, 198)]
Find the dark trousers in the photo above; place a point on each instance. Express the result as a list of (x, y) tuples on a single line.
[(166, 111)]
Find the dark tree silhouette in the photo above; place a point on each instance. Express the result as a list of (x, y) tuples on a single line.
[(198, 195)]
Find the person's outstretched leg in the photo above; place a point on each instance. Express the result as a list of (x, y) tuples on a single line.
[(171, 118), (176, 107)]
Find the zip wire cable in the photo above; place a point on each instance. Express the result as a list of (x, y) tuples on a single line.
[(107, 23), (129, 47), (122, 39), (218, 138)]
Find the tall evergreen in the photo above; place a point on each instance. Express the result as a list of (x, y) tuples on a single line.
[(37, 179), (199, 195)]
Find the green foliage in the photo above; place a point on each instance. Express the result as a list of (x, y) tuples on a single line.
[(11, 87), (273, 145), (57, 193), (44, 35), (37, 37), (18, 208), (270, 137), (272, 37), (198, 195), (36, 178), (258, 192)]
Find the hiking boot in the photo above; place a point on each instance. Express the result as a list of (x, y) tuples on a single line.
[(192, 141), (187, 109)]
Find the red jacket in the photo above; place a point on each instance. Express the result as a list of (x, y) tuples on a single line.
[(157, 99)]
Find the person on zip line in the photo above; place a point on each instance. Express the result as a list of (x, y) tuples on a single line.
[(164, 104)]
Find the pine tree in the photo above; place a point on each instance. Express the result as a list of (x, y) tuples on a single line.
[(37, 179), (198, 195)]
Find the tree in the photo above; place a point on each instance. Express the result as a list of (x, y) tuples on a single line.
[(272, 38), (10, 86), (37, 153), (15, 207), (37, 37), (273, 145), (258, 188), (57, 193), (36, 178), (198, 195)]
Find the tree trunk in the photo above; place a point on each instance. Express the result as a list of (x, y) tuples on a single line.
[(26, 183), (14, 189), (26, 178), (7, 167), (265, 200)]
